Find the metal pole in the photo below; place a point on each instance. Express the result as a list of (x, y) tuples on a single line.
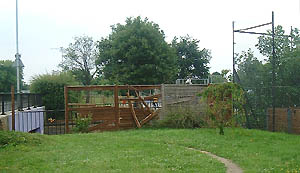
[(233, 68), (28, 101), (273, 72), (17, 34), (291, 38), (233, 59), (2, 104), (17, 58)]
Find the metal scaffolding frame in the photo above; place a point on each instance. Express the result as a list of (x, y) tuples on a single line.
[(245, 31)]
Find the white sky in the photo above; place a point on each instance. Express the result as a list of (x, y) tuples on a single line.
[(48, 24)]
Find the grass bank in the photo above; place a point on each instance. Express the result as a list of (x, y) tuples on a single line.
[(153, 150)]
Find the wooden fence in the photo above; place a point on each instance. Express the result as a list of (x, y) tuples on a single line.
[(286, 120), (129, 109)]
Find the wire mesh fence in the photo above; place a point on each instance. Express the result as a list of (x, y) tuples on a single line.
[(271, 104)]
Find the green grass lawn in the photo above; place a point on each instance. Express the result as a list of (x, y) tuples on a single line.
[(150, 150)]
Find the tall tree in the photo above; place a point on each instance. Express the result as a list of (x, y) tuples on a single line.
[(283, 44), (254, 78), (51, 87), (136, 53), (8, 75), (79, 58), (192, 61)]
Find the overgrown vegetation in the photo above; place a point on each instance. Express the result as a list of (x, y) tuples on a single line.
[(155, 150), (255, 75), (7, 75), (10, 138), (221, 99), (82, 123), (51, 87), (181, 117)]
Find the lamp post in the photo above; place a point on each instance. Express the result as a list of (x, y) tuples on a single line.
[(18, 63)]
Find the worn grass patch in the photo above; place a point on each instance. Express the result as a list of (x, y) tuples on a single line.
[(155, 150)]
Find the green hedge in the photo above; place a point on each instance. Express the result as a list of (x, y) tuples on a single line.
[(51, 87)]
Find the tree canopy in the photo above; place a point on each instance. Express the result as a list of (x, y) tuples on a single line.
[(8, 75), (136, 53), (192, 61), (79, 58), (51, 87), (256, 76), (283, 44)]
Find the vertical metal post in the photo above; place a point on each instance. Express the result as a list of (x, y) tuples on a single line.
[(233, 69), (2, 104), (34, 101), (20, 101), (233, 58), (28, 101), (273, 73), (18, 59), (291, 34), (17, 32)]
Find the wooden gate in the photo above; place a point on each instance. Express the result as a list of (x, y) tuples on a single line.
[(126, 106)]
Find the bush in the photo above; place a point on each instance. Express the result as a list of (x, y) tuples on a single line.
[(82, 123), (219, 99), (182, 117), (51, 87), (11, 138)]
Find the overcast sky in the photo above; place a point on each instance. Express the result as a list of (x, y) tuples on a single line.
[(48, 24)]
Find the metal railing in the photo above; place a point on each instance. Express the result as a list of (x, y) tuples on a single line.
[(27, 100)]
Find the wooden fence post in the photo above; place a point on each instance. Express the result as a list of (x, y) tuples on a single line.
[(13, 108), (66, 110), (289, 120), (117, 110), (163, 101)]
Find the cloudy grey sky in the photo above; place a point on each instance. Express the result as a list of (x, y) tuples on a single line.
[(48, 24)]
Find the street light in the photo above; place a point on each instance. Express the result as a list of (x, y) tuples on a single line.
[(18, 63)]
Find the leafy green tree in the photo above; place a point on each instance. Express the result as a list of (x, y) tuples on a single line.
[(219, 104), (286, 66), (51, 87), (250, 69), (192, 61), (217, 77), (289, 81), (136, 53), (283, 44), (7, 75), (79, 58), (255, 78)]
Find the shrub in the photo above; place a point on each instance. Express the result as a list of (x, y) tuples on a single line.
[(51, 87), (11, 138), (182, 117), (82, 123), (219, 104)]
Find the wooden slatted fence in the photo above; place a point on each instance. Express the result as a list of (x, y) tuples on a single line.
[(127, 111)]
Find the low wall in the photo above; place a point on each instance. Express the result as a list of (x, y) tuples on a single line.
[(286, 120), (175, 96), (25, 121)]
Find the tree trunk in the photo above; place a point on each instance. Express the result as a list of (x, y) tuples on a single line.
[(221, 129)]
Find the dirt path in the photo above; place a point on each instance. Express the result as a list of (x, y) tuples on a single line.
[(231, 167)]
